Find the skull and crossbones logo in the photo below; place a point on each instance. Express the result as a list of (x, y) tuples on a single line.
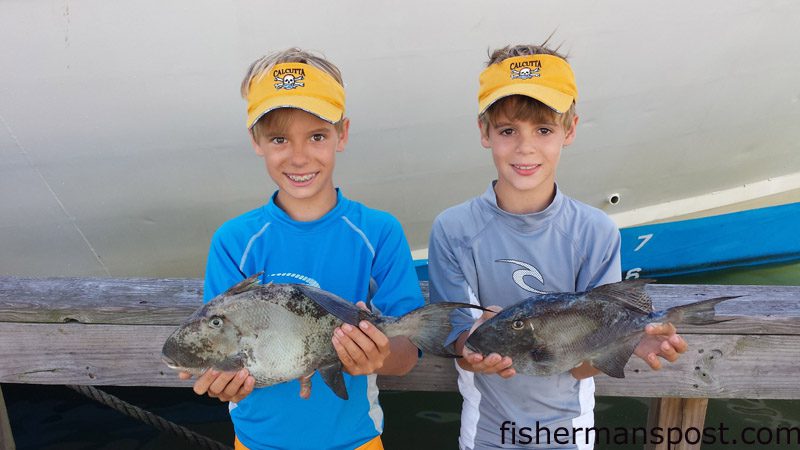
[(288, 82), (525, 73)]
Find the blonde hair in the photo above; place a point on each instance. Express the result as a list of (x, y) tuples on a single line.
[(520, 107), (261, 68)]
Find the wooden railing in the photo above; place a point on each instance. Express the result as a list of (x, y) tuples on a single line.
[(110, 331)]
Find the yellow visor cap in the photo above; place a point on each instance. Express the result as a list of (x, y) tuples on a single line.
[(546, 78), (295, 85)]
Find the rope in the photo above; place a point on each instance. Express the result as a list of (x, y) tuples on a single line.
[(148, 417)]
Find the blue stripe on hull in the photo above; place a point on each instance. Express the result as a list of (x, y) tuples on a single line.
[(747, 238)]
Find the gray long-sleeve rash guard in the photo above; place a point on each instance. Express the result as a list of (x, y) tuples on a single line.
[(481, 254)]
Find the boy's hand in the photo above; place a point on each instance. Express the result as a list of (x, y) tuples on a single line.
[(226, 386), (475, 362), (361, 349), (660, 339)]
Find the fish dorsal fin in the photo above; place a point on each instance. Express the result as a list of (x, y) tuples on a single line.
[(335, 305), (332, 376), (244, 285), (629, 293)]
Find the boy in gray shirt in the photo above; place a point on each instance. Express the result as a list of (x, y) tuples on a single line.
[(523, 237)]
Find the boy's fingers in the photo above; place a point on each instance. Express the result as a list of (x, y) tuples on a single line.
[(203, 382), (507, 373), (668, 352), (379, 340), (473, 358), (361, 343), (233, 388), (657, 328), (351, 355), (344, 357), (184, 375), (653, 361), (362, 305), (501, 365), (218, 386), (493, 363), (491, 360), (246, 390), (678, 343), (496, 359)]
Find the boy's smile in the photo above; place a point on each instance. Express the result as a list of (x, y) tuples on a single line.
[(301, 179), (526, 155), (299, 150), (526, 170)]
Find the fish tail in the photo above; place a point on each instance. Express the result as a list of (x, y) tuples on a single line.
[(427, 327), (700, 313)]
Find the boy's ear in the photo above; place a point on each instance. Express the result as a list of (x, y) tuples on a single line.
[(571, 133), (344, 135), (255, 145), (484, 135)]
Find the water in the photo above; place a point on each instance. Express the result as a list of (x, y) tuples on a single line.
[(55, 417)]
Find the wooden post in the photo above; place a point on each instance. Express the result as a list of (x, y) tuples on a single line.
[(6, 439), (678, 414)]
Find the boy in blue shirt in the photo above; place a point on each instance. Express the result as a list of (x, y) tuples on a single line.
[(310, 233), (523, 237)]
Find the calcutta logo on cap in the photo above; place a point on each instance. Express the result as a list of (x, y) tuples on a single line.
[(527, 69), (287, 80)]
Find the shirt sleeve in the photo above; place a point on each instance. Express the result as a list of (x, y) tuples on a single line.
[(603, 262), (447, 281), (396, 285), (222, 268)]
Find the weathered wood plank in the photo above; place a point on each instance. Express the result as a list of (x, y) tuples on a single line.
[(99, 300), (678, 413), (74, 353), (716, 366), (760, 310), (6, 438)]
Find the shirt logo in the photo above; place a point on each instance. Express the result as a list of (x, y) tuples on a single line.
[(307, 280), (526, 271), (289, 78)]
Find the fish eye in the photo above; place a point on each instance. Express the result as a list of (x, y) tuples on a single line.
[(517, 324), (215, 322)]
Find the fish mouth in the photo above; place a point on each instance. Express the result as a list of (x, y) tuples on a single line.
[(475, 342), (171, 363), (174, 365), (471, 347)]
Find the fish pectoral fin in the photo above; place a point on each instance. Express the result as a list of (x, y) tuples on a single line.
[(336, 306), (333, 377), (613, 363)]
